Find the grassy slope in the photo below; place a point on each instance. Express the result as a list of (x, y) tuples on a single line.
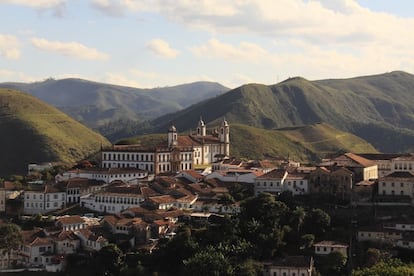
[(308, 143), (32, 131), (382, 103)]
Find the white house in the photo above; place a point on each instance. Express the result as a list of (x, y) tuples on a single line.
[(403, 163), (236, 175), (114, 199), (66, 242), (91, 241), (35, 245), (271, 182), (42, 199), (379, 234), (327, 247), (77, 187), (70, 223), (397, 184), (107, 175), (407, 242), (280, 180), (289, 266), (296, 183)]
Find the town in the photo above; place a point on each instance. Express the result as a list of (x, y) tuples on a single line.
[(346, 212)]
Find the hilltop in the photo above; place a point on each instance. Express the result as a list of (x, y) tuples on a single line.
[(307, 143), (96, 104), (32, 131), (376, 108)]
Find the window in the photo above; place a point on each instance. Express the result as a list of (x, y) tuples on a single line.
[(402, 184)]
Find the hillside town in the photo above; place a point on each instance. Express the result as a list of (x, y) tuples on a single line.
[(137, 197)]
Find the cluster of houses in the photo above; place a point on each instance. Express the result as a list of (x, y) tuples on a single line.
[(141, 194)]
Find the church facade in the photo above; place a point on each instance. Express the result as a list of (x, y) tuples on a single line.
[(178, 153)]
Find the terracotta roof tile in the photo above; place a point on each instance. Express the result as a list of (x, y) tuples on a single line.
[(71, 220)]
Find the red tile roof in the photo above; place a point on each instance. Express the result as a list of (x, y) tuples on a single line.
[(71, 220)]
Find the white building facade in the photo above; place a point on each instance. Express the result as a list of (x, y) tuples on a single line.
[(178, 154), (44, 199)]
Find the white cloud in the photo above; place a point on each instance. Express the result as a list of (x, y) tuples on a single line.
[(118, 8), (9, 47), (217, 49), (44, 4), (161, 48), (71, 49), (57, 6)]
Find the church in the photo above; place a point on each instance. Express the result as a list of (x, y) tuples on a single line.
[(178, 153)]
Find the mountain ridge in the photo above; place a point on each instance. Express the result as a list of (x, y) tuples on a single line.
[(384, 101), (96, 104), (36, 132)]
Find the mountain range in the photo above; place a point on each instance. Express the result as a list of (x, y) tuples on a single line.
[(378, 108), (296, 117), (96, 104)]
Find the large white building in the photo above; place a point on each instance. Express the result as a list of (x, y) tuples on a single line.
[(107, 175), (42, 199), (114, 199), (280, 180), (177, 154), (397, 183)]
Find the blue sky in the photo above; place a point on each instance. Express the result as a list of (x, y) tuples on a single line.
[(152, 43)]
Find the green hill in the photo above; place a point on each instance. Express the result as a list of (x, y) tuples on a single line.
[(97, 104), (384, 104), (32, 131), (306, 144)]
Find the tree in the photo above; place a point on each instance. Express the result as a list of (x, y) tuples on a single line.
[(389, 267), (307, 241), (10, 238), (261, 223), (109, 260), (208, 262), (335, 263), (317, 222), (226, 199), (297, 218), (373, 256)]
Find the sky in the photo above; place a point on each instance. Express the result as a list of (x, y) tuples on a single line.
[(157, 43)]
